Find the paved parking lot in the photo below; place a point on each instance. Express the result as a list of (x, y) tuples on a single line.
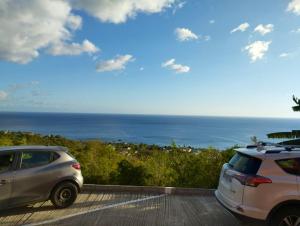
[(126, 209)]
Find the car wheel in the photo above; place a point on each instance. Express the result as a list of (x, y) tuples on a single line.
[(64, 195), (289, 216)]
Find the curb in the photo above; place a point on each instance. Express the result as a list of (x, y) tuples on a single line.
[(149, 189)]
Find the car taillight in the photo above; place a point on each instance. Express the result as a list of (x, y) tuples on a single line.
[(76, 166), (254, 181), (241, 178)]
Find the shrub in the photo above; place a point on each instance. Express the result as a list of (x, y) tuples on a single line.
[(135, 164)]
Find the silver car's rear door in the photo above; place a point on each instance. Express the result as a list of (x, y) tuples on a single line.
[(34, 177)]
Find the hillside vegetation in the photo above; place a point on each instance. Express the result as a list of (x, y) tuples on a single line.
[(135, 164)]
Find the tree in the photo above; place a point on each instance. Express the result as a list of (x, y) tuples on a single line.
[(288, 135), (297, 101), (129, 174)]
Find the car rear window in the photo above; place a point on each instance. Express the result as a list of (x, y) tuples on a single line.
[(6, 161), (55, 156), (32, 159), (291, 166), (244, 163)]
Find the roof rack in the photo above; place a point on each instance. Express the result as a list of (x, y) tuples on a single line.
[(262, 146)]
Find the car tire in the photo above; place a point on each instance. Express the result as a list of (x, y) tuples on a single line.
[(64, 195), (288, 216)]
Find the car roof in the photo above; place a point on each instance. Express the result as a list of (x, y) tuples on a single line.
[(33, 148), (270, 152)]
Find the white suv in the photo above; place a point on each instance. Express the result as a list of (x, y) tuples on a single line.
[(263, 182)]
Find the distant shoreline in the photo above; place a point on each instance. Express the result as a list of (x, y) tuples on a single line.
[(152, 115), (120, 144)]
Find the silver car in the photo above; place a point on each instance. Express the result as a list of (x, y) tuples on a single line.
[(30, 174)]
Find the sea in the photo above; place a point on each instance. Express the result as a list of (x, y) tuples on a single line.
[(194, 131)]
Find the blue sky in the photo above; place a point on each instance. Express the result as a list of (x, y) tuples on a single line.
[(208, 57)]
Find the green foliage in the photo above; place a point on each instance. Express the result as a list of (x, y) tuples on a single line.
[(254, 140), (288, 135), (285, 135), (129, 174), (297, 101), (135, 164)]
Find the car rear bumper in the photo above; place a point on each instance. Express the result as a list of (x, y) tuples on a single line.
[(79, 180), (241, 210)]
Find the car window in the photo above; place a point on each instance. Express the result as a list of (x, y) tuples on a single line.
[(6, 161), (34, 159), (245, 164), (291, 166), (69, 154), (55, 156)]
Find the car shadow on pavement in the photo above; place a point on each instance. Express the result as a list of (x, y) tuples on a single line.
[(245, 221), (46, 206), (24, 210)]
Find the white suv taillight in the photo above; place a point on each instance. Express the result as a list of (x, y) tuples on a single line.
[(76, 166), (252, 181)]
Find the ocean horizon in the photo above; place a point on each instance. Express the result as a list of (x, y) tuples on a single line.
[(195, 131)]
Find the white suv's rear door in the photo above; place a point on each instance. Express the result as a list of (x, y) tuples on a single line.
[(230, 188), (233, 176)]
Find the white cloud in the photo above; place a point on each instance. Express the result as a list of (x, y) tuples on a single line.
[(294, 6), (184, 34), (212, 21), (3, 95), (284, 55), (242, 27), (178, 6), (32, 25), (25, 94), (178, 68), (206, 38), (62, 48), (74, 22), (264, 29), (257, 49), (18, 86), (118, 11), (116, 64), (296, 30), (34, 83)]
